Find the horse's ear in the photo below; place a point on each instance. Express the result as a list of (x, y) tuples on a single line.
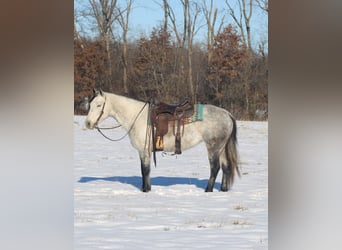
[(97, 92)]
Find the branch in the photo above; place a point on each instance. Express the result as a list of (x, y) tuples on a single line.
[(262, 4), (173, 21), (238, 23)]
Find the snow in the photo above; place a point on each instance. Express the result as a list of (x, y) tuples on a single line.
[(110, 211)]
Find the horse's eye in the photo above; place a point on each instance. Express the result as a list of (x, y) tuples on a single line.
[(99, 105)]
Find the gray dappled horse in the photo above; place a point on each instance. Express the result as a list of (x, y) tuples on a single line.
[(217, 130)]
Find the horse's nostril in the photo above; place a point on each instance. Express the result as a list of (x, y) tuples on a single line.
[(87, 124)]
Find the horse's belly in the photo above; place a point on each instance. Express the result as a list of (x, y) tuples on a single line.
[(189, 139)]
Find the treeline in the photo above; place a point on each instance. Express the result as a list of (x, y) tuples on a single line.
[(228, 73)]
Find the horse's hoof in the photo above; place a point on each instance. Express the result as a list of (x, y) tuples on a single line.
[(146, 190), (224, 189)]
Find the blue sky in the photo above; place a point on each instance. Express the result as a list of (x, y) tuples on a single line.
[(147, 14)]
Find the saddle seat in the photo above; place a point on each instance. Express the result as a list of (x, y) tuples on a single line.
[(163, 114), (178, 110)]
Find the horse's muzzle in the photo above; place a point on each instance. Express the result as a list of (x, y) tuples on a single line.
[(89, 125)]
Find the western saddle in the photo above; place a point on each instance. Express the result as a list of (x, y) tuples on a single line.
[(163, 115)]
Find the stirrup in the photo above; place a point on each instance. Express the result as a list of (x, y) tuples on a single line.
[(159, 143)]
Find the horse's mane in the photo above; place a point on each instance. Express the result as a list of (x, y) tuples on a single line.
[(92, 98), (122, 96)]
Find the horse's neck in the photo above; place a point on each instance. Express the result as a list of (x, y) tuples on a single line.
[(124, 109)]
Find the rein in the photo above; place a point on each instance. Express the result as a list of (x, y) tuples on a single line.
[(122, 137), (114, 127)]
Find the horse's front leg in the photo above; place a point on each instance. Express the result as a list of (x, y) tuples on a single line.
[(145, 172)]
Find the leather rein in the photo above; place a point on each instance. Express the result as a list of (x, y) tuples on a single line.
[(129, 130)]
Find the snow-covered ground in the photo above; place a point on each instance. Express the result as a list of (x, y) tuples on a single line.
[(110, 211)]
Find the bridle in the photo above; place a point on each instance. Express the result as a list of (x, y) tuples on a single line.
[(98, 119), (99, 129), (102, 111)]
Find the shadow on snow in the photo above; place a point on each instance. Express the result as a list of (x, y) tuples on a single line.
[(157, 181)]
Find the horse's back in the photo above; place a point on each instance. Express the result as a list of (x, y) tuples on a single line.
[(215, 118), (216, 125), (212, 112)]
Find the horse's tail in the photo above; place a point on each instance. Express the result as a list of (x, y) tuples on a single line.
[(232, 154)]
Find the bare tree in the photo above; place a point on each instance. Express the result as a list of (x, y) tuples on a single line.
[(190, 16), (123, 21), (77, 37), (191, 32), (181, 37), (79, 14), (166, 14), (243, 19), (210, 14), (104, 13)]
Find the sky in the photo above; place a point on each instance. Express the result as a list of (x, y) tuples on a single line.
[(147, 14)]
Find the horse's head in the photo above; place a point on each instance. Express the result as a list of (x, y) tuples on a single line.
[(98, 110)]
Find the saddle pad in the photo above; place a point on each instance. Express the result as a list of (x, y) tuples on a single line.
[(197, 116)]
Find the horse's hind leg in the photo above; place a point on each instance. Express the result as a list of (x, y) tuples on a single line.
[(145, 172), (214, 161), (225, 178), (226, 172)]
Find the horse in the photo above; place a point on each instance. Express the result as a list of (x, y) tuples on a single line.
[(217, 130)]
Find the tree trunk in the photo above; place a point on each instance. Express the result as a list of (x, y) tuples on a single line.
[(109, 63), (246, 14), (165, 14), (124, 62), (247, 99), (247, 18), (191, 84), (123, 22), (103, 12)]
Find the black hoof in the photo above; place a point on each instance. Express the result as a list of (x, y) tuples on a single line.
[(145, 190)]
